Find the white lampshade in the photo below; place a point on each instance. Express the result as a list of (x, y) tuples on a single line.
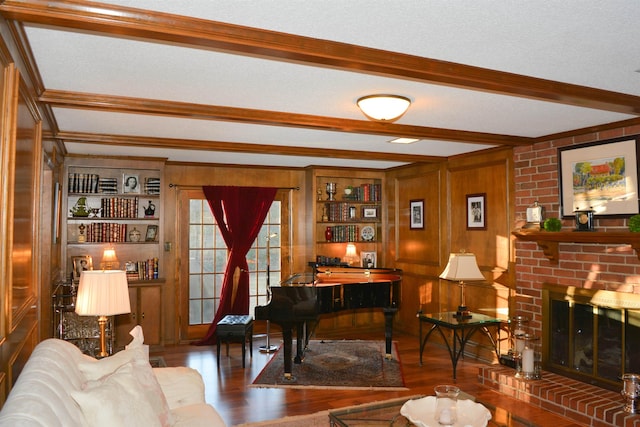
[(462, 267), (384, 107), (103, 293)]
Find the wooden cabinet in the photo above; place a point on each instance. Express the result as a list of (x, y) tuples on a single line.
[(146, 309), (353, 214)]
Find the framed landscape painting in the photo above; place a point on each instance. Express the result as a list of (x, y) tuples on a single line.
[(602, 176)]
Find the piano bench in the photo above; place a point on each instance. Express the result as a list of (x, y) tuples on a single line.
[(235, 328)]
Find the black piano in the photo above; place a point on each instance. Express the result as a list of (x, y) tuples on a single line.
[(298, 301)]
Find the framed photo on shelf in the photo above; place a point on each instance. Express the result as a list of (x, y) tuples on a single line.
[(416, 214), (79, 264), (600, 176), (370, 213), (369, 259), (476, 211), (152, 233), (130, 184), (131, 267)]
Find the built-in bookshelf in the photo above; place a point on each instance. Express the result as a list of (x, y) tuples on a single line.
[(116, 203), (347, 208)]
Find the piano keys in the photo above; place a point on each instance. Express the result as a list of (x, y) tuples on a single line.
[(298, 302)]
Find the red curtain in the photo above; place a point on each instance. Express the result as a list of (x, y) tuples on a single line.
[(240, 213)]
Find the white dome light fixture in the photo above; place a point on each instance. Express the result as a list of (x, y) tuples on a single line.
[(384, 108)]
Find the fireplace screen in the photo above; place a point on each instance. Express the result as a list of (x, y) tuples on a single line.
[(588, 337)]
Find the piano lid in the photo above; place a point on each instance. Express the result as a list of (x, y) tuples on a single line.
[(326, 276)]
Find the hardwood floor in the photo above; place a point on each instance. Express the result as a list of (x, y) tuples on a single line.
[(227, 385)]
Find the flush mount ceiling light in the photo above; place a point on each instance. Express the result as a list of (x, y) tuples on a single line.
[(385, 108), (404, 140)]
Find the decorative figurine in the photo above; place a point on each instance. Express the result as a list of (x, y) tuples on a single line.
[(150, 210)]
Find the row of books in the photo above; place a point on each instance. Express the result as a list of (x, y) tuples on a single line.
[(344, 211), (106, 232), (365, 193), (152, 186), (339, 212), (118, 207), (142, 270), (345, 233), (84, 183), (92, 183)]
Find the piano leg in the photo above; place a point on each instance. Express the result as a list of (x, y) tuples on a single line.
[(389, 312), (300, 342), (287, 338)]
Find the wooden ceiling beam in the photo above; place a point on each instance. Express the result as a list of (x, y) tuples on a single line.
[(129, 22), (236, 147), (120, 104)]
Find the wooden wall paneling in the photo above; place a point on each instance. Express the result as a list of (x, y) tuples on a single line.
[(24, 287), (7, 156), (7, 159), (416, 252), (490, 174), (421, 246)]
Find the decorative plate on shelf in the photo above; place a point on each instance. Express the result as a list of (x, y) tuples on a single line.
[(368, 233), (421, 412)]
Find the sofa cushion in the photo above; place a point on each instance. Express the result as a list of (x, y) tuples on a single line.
[(117, 399)]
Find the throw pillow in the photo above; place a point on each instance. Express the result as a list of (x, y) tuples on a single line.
[(116, 400), (98, 369)]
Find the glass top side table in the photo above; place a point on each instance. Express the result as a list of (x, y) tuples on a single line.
[(463, 330)]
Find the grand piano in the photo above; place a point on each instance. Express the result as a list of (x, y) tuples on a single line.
[(298, 302)]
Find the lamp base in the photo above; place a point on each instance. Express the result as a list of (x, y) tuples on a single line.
[(463, 312)]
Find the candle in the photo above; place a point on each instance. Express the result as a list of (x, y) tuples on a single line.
[(445, 417), (527, 360), (519, 341)]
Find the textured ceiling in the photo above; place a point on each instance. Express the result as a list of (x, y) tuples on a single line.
[(586, 43)]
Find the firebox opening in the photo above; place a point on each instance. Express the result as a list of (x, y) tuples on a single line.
[(590, 335)]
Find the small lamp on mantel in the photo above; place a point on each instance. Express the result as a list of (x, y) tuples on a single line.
[(109, 259), (460, 268), (103, 293), (351, 255)]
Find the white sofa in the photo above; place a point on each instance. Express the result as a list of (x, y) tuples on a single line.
[(60, 386)]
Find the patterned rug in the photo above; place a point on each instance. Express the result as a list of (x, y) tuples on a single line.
[(344, 364)]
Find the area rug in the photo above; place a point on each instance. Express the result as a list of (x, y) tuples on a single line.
[(343, 364)]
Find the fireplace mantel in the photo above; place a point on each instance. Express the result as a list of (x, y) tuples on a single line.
[(548, 240)]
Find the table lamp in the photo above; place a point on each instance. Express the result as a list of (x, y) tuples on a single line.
[(103, 293), (109, 260), (461, 267)]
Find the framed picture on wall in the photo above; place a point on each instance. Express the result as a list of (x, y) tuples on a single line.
[(416, 214), (476, 211), (600, 176), (369, 259)]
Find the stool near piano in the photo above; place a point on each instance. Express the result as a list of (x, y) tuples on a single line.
[(235, 328)]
